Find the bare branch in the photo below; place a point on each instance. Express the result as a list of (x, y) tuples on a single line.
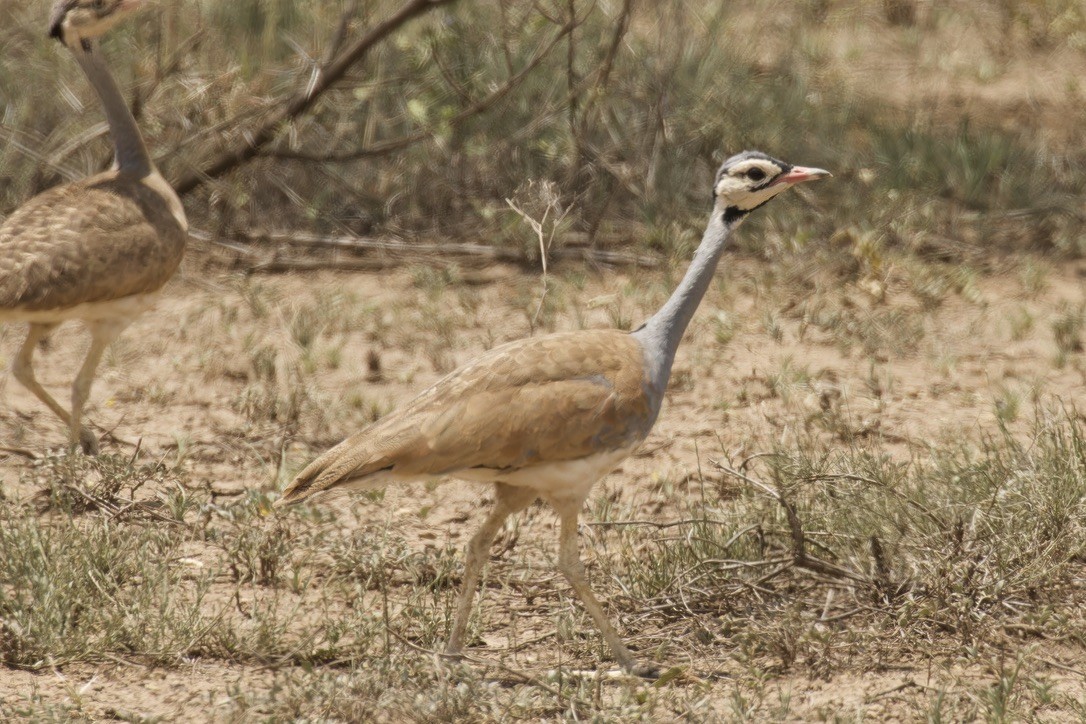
[(22, 451), (396, 144), (396, 252), (184, 50), (446, 73), (621, 27), (302, 101)]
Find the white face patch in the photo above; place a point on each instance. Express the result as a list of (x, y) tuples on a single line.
[(730, 185), (749, 179), (89, 19), (745, 184)]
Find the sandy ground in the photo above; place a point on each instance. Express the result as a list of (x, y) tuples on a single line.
[(181, 376)]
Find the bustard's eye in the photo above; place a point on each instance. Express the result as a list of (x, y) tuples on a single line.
[(756, 174)]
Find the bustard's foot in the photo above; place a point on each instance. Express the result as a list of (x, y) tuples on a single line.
[(88, 441), (644, 670)]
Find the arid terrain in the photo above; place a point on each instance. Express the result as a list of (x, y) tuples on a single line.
[(865, 498), (236, 382)]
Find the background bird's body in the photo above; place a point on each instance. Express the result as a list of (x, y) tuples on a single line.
[(96, 250), (97, 247)]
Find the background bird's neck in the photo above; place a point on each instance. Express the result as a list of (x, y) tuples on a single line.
[(128, 145), (661, 334)]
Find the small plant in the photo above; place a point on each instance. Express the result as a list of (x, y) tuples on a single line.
[(930, 287), (77, 484), (539, 205), (1034, 277), (1007, 404), (787, 379), (276, 390), (773, 328), (1067, 330), (618, 316), (306, 324), (1021, 323), (724, 328)]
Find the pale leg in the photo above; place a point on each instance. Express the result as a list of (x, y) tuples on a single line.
[(509, 500), (102, 335), (569, 563), (23, 369)]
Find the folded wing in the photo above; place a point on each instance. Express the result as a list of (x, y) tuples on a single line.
[(549, 399)]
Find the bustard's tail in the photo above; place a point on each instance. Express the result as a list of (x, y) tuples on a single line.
[(319, 475), (366, 459), (354, 463)]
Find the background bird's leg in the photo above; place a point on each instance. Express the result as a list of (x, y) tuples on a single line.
[(23, 369), (102, 335), (509, 500), (569, 563)]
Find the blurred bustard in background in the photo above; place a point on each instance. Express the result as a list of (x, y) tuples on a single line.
[(547, 417), (98, 249)]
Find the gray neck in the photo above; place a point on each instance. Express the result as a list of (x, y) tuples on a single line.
[(661, 334), (132, 156)]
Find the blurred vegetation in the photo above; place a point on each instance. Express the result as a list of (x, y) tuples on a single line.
[(817, 560), (628, 114)]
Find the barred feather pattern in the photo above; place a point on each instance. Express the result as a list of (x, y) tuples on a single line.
[(107, 237)]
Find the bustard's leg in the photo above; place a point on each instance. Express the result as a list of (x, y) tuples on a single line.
[(510, 500), (569, 563), (23, 369), (103, 332)]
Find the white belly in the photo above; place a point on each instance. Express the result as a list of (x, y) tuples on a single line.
[(127, 308), (565, 479)]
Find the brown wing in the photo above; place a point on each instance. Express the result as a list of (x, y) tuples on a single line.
[(103, 238), (553, 398)]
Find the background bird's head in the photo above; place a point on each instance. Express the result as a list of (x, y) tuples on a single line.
[(749, 179), (76, 22)]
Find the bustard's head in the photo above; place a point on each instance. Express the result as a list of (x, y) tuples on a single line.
[(750, 179), (77, 22)]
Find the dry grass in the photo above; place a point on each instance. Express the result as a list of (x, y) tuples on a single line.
[(865, 497), (941, 573)]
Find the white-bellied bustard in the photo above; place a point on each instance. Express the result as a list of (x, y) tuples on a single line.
[(97, 250), (549, 416)]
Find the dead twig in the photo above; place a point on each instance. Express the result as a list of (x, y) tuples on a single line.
[(662, 526), (397, 252), (1062, 667), (549, 195), (907, 684), (438, 655), (883, 486), (801, 558), (345, 20)]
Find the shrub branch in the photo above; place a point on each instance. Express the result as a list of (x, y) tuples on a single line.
[(291, 108)]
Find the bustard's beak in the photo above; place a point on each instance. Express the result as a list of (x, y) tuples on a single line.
[(799, 174)]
